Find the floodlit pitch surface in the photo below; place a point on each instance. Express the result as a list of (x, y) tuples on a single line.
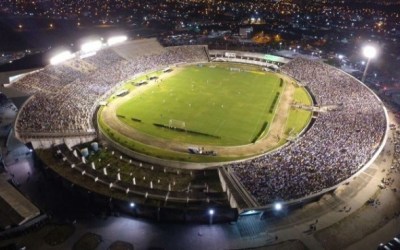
[(218, 106), (228, 112)]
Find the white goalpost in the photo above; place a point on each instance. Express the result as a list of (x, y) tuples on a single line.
[(235, 69), (177, 124)]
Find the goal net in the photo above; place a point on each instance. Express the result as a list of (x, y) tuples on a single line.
[(177, 124)]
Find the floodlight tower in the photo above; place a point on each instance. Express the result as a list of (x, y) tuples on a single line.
[(370, 53)]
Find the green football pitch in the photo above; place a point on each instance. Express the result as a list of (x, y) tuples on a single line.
[(210, 105)]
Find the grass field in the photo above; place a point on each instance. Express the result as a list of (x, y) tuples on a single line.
[(298, 117), (223, 107)]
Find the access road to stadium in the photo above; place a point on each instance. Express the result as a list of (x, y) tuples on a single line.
[(344, 220), (269, 141)]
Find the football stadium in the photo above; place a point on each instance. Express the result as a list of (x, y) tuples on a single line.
[(172, 132)]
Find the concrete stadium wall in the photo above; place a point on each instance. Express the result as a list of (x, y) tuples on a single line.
[(43, 143), (231, 198)]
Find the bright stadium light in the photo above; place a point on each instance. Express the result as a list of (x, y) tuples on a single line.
[(132, 204), (370, 53), (116, 39), (92, 46), (211, 212), (61, 57)]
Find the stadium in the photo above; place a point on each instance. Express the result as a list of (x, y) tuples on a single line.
[(161, 130)]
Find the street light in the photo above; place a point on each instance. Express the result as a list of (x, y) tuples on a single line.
[(211, 213), (278, 206), (369, 52), (133, 208)]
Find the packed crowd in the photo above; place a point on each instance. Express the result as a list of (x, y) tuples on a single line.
[(65, 96), (334, 148)]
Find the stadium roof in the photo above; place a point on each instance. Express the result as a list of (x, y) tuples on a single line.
[(268, 57)]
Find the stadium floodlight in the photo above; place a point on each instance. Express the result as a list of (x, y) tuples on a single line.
[(92, 46), (61, 57), (370, 53), (278, 206), (116, 39)]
